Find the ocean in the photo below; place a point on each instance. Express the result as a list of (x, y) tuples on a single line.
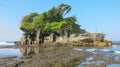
[(8, 52)]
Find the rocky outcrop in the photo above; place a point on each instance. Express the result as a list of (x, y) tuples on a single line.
[(16, 43), (85, 44), (102, 44), (86, 39)]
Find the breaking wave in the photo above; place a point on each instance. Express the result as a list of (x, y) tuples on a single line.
[(105, 50), (3, 43), (117, 52)]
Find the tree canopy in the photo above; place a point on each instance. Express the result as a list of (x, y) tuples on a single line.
[(52, 20)]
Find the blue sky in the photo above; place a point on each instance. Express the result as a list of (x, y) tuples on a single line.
[(92, 15)]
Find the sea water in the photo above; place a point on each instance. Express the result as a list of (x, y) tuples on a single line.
[(106, 52), (8, 52)]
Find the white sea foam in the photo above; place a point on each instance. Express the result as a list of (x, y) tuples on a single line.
[(78, 49), (117, 52), (94, 52), (5, 43), (105, 50), (94, 62), (114, 45), (87, 63), (91, 50)]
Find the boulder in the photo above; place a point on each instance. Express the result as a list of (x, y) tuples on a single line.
[(17, 43)]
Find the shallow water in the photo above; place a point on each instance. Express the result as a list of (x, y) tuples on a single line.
[(113, 65), (6, 43), (106, 52), (9, 52), (89, 59)]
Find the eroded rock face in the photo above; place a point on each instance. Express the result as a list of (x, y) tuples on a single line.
[(86, 39), (16, 43), (93, 44), (102, 44)]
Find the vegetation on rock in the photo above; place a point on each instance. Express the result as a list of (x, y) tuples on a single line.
[(51, 22)]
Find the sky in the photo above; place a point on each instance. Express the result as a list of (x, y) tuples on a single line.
[(93, 15)]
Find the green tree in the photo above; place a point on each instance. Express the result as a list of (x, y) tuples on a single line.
[(52, 20), (57, 13), (27, 20)]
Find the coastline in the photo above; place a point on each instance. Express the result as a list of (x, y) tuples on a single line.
[(53, 55), (48, 56)]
